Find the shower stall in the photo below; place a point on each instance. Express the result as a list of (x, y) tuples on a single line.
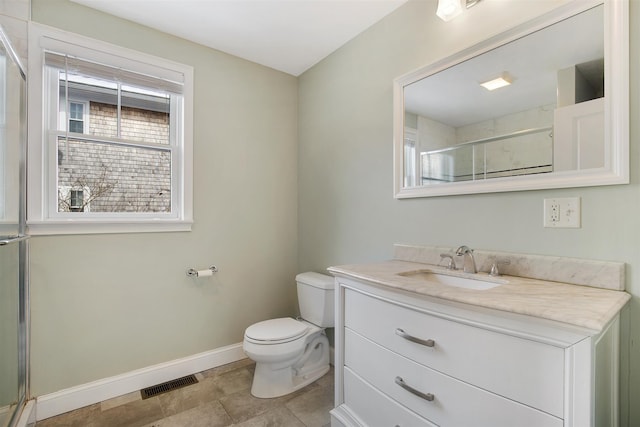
[(14, 295)]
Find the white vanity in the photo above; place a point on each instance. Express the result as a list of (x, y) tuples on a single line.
[(415, 351)]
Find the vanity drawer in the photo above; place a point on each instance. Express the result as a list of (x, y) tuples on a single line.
[(523, 370), (454, 403), (376, 409)]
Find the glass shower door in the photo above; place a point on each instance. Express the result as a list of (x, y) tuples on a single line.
[(13, 242)]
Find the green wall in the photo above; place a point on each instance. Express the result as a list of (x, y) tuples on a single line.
[(347, 213), (103, 305)]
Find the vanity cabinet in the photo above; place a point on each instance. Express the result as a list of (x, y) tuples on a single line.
[(404, 359)]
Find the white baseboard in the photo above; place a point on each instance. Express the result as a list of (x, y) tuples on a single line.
[(73, 398)]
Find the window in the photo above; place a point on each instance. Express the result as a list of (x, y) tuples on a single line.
[(410, 139), (76, 117), (74, 199), (115, 136)]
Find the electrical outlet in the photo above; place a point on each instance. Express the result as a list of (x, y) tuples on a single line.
[(562, 213), (554, 212)]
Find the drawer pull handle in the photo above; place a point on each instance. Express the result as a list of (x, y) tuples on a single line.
[(426, 396), (406, 336)]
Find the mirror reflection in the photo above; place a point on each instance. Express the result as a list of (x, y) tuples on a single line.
[(546, 115)]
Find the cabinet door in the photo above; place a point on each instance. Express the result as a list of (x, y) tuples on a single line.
[(438, 398), (578, 136), (523, 370)]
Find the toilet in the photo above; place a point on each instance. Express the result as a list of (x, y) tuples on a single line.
[(292, 353)]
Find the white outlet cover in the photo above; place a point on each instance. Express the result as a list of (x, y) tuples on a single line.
[(562, 212)]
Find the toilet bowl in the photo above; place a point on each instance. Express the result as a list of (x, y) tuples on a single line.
[(292, 353)]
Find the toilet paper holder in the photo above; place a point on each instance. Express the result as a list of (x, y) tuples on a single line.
[(192, 272)]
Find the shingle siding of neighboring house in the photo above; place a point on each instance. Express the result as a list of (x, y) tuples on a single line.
[(118, 178), (137, 124)]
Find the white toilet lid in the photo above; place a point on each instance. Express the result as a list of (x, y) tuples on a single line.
[(281, 329)]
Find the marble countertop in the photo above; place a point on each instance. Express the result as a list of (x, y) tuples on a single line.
[(583, 306)]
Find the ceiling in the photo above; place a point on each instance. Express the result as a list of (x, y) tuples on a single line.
[(455, 97), (287, 35)]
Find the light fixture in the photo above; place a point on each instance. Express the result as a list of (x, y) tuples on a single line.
[(449, 9), (503, 80)]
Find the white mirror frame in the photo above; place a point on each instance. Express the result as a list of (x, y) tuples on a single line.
[(616, 170)]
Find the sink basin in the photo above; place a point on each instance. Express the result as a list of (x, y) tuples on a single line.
[(450, 280)]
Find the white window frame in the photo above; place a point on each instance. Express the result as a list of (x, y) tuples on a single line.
[(42, 212)]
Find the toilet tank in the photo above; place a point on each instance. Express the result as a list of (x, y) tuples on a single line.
[(315, 298)]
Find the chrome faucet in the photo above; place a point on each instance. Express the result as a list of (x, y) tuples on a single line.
[(468, 262)]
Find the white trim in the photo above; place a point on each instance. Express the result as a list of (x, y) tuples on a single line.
[(66, 400), (71, 226)]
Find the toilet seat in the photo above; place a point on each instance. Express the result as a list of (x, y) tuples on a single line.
[(276, 331)]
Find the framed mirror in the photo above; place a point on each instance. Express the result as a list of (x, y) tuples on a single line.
[(561, 118)]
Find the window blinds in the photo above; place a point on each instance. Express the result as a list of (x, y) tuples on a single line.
[(87, 68)]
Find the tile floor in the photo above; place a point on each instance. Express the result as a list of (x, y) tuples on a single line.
[(220, 398)]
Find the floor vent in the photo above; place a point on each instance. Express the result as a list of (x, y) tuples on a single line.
[(168, 386)]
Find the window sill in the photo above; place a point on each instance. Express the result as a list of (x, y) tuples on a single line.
[(68, 227)]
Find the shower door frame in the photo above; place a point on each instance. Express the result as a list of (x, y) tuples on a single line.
[(22, 240)]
